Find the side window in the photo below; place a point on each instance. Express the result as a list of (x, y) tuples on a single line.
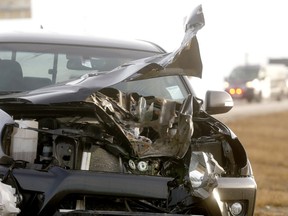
[(35, 64), (5, 55), (64, 73), (31, 70)]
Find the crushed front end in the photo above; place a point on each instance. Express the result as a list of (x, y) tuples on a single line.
[(121, 154)]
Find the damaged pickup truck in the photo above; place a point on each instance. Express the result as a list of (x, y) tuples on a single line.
[(134, 140)]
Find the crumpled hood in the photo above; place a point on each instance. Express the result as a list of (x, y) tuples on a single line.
[(185, 60)]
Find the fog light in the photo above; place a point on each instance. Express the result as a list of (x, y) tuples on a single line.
[(236, 208)]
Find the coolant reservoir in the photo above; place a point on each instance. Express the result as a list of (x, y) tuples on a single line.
[(24, 141)]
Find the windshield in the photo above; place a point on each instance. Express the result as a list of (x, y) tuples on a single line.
[(169, 87), (245, 73), (31, 66)]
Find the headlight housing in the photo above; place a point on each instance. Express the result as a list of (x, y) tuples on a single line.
[(203, 170)]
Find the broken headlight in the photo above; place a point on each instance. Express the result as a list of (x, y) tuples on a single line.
[(203, 172)]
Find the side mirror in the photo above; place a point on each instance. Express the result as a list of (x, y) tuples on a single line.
[(217, 102)]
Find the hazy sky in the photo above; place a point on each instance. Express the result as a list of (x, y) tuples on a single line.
[(235, 31)]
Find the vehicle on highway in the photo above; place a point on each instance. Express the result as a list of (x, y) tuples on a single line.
[(131, 140), (257, 82)]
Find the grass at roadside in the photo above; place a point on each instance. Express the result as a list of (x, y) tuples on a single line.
[(266, 141)]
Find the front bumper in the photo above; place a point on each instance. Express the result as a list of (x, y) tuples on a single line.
[(231, 190)]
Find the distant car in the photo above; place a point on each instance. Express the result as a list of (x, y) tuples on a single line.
[(111, 136), (257, 82)]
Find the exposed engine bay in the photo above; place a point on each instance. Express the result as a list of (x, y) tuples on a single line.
[(117, 133)]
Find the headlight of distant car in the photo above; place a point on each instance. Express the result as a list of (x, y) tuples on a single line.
[(253, 84), (226, 84)]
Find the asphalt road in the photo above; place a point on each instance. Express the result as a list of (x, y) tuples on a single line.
[(244, 109)]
